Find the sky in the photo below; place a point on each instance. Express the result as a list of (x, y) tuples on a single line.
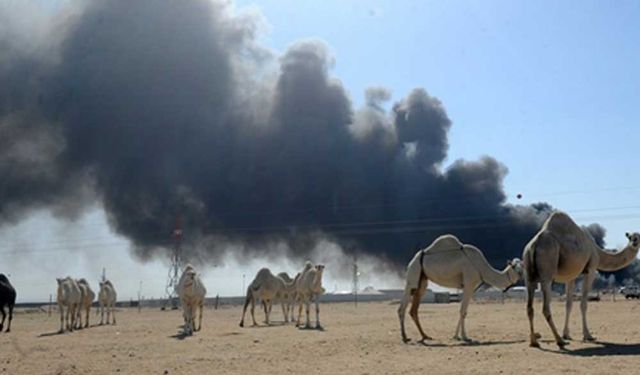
[(548, 88)]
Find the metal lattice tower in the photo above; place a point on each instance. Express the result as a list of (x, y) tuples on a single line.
[(174, 268), (356, 279)]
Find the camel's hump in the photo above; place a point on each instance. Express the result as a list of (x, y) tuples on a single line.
[(560, 223), (446, 241)]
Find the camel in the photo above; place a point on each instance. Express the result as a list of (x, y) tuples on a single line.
[(69, 297), (288, 296), (107, 297), (309, 288), (86, 300), (191, 291), (7, 297), (452, 264), (561, 251), (266, 287)]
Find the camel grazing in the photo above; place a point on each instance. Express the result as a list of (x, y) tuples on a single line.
[(561, 251), (288, 296), (7, 297), (266, 287), (452, 264), (309, 288), (191, 291), (86, 300), (107, 297), (68, 297)]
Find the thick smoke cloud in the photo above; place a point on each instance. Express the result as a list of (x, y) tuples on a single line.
[(160, 110)]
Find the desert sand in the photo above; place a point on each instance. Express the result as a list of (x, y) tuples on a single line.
[(362, 340)]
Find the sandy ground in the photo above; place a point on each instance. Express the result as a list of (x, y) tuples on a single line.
[(362, 340)]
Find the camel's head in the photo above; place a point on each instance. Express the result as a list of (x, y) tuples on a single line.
[(320, 268), (634, 239), (189, 277), (514, 269), (59, 280)]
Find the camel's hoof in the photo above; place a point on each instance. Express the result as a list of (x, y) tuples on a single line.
[(319, 327), (561, 344), (427, 338), (538, 336), (8, 330), (534, 344), (566, 337), (241, 324), (406, 340), (589, 339)]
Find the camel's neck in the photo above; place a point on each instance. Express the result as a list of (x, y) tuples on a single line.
[(491, 276), (615, 261)]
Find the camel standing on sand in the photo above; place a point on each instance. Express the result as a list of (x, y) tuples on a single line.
[(107, 297), (86, 300), (309, 288), (288, 296), (452, 264), (68, 296), (562, 251), (191, 291), (7, 297), (266, 287)]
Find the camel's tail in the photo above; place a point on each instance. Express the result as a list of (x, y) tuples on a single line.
[(415, 271), (531, 269)]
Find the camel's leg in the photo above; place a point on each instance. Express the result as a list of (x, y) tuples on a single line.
[(88, 310), (402, 312), (61, 309), (317, 301), (113, 313), (200, 319), (253, 311), (285, 312), (415, 304), (464, 305), (267, 310), (586, 288), (102, 314), (533, 338), (307, 304), (10, 318), (546, 311), (4, 315), (300, 302), (569, 286), (244, 309)]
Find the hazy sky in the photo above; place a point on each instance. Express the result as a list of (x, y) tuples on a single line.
[(548, 88)]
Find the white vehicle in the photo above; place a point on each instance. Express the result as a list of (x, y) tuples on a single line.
[(632, 291)]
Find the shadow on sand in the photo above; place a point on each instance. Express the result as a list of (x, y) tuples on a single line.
[(602, 349), (179, 336), (435, 344)]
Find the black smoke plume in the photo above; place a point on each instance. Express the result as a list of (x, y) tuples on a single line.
[(166, 109)]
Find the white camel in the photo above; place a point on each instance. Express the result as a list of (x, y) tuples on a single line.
[(561, 251), (309, 288), (452, 264), (288, 296), (86, 300), (266, 287), (191, 291), (68, 299), (107, 298)]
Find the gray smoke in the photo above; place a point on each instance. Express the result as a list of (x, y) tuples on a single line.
[(160, 110)]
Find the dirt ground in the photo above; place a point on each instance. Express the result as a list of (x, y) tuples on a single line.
[(362, 340)]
